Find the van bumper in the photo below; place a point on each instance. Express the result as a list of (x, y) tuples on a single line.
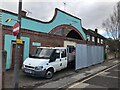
[(34, 73)]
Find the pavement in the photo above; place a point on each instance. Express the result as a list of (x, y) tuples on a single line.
[(81, 74)]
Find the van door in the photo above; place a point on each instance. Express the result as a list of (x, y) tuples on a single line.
[(63, 61), (55, 60)]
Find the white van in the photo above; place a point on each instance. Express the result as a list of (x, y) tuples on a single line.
[(46, 61)]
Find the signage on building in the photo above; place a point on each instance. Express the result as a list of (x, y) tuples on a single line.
[(16, 28), (19, 41), (36, 44)]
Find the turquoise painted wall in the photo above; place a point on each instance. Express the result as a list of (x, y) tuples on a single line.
[(61, 18), (8, 48)]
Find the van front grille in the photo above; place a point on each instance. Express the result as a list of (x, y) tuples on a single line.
[(29, 66)]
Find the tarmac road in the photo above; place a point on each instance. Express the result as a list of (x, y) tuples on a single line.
[(105, 80)]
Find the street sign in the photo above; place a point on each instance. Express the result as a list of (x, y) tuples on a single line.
[(19, 41), (16, 28)]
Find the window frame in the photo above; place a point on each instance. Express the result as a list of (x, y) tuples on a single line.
[(65, 53), (98, 40), (102, 41), (93, 39), (88, 37)]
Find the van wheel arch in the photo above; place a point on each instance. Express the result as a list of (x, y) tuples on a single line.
[(49, 73), (51, 68)]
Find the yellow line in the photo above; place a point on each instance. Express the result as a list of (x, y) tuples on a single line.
[(91, 77)]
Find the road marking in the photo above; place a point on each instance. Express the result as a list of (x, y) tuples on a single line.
[(92, 76), (103, 74), (82, 85), (117, 70), (110, 76)]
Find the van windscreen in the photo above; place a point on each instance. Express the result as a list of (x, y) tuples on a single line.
[(43, 53)]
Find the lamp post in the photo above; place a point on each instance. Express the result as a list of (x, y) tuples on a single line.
[(17, 54)]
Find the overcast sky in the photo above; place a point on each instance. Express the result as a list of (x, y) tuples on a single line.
[(91, 12)]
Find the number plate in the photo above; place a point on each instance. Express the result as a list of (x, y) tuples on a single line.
[(28, 71)]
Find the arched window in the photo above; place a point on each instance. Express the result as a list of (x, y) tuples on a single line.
[(67, 31), (74, 34)]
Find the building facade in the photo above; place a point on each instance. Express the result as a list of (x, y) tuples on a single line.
[(64, 29)]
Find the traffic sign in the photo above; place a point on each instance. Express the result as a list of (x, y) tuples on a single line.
[(16, 28)]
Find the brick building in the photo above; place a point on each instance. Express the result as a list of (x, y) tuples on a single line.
[(63, 30)]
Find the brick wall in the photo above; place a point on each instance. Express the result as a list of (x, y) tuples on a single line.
[(43, 38)]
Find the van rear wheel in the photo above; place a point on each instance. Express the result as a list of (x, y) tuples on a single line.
[(49, 74)]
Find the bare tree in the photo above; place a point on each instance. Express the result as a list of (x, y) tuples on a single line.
[(112, 26), (112, 23)]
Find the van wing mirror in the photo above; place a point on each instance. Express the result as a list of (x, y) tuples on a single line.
[(57, 51)]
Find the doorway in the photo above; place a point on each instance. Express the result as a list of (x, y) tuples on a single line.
[(71, 49), (71, 56), (14, 54)]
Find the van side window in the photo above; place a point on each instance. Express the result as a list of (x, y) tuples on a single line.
[(57, 53), (63, 54)]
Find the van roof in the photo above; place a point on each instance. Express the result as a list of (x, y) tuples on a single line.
[(53, 47)]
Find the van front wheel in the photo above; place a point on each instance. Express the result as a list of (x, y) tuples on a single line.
[(49, 74)]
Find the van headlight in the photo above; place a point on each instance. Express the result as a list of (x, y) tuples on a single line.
[(39, 68)]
